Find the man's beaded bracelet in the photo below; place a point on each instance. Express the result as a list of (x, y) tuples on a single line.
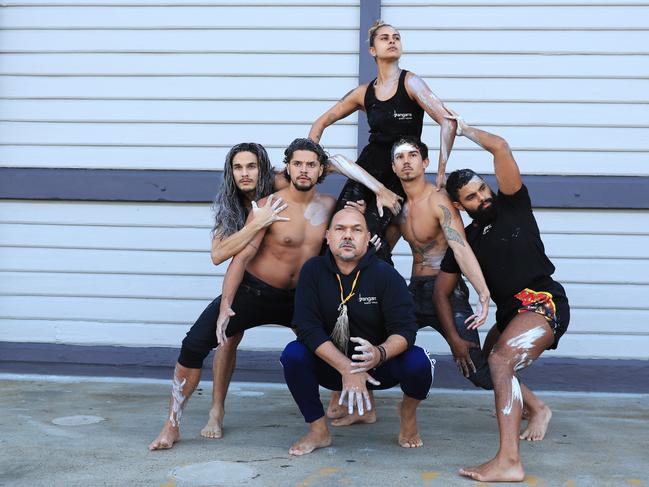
[(383, 354)]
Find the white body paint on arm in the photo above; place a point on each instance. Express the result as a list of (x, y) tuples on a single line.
[(348, 168)]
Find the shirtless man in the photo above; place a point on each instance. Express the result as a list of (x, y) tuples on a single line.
[(430, 224), (532, 309), (259, 285)]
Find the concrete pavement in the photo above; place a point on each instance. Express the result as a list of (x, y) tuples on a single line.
[(59, 431)]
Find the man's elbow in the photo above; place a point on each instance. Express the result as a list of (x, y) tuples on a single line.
[(217, 257), (448, 125), (501, 145)]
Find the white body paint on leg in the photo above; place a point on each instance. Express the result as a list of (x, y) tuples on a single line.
[(526, 340), (515, 396), (522, 361), (316, 213), (177, 401)]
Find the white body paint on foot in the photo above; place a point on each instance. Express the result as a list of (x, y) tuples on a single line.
[(177, 401), (516, 396)]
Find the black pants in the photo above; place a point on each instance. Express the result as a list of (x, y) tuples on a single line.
[(421, 288), (256, 303)]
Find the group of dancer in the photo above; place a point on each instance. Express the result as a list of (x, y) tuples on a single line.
[(354, 317)]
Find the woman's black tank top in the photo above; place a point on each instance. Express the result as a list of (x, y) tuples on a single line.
[(396, 117)]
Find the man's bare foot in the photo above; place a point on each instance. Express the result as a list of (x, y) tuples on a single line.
[(348, 419), (408, 434), (496, 470), (335, 410), (537, 425), (317, 437), (214, 427), (166, 439)]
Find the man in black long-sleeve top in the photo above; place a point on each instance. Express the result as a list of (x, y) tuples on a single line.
[(356, 325)]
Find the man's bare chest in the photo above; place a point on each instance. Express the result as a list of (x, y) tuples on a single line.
[(419, 226)]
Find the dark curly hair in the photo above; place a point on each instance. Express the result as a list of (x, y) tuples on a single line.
[(457, 180), (310, 145)]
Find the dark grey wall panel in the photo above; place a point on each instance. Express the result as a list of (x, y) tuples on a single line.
[(598, 192), (108, 185), (555, 374), (369, 12)]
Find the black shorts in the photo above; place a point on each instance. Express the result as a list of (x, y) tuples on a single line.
[(549, 301), (256, 303), (422, 287)]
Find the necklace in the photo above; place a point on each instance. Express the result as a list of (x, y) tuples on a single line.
[(340, 333)]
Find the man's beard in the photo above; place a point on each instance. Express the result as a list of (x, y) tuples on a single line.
[(303, 188), (484, 216)]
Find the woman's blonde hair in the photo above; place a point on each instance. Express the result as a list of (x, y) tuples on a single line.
[(371, 33)]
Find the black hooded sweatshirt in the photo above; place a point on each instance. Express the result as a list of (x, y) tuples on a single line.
[(381, 305)]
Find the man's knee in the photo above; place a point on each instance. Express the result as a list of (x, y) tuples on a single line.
[(191, 358), (500, 359), (482, 378), (482, 375), (417, 373), (295, 354), (417, 362)]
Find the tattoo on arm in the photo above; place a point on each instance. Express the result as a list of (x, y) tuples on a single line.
[(451, 234)]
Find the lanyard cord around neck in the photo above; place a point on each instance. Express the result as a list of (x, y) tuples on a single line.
[(344, 300)]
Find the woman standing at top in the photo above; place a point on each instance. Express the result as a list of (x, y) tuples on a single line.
[(395, 102)]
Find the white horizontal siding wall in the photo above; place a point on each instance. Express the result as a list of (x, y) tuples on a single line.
[(172, 85), (565, 82), (139, 274), (169, 85)]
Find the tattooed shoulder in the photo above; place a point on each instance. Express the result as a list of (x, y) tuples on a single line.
[(451, 234)]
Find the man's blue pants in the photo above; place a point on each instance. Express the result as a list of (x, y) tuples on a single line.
[(304, 372)]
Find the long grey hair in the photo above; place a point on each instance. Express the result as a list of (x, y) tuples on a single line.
[(229, 209)]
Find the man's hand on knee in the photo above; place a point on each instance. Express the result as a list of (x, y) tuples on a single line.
[(355, 390)]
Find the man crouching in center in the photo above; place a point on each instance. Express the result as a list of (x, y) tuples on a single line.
[(356, 329)]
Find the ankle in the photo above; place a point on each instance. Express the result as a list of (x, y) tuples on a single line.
[(319, 426)]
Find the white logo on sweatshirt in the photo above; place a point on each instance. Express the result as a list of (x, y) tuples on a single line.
[(367, 299)]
